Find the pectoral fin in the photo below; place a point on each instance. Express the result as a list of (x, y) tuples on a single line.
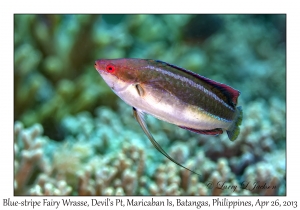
[(139, 89), (140, 118)]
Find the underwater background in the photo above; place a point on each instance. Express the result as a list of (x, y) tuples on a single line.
[(74, 136)]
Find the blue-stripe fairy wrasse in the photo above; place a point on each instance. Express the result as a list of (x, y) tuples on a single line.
[(174, 95)]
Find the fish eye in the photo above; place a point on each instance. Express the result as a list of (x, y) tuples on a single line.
[(110, 68)]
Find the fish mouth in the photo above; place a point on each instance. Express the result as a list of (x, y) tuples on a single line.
[(96, 66)]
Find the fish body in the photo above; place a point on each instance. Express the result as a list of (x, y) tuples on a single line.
[(174, 94)]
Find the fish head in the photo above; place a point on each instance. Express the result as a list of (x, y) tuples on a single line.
[(117, 73)]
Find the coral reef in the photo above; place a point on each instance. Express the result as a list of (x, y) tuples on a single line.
[(73, 136), (99, 158)]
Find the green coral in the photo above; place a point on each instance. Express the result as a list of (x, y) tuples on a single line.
[(99, 158), (67, 142)]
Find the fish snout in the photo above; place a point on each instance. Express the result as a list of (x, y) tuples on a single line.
[(96, 65)]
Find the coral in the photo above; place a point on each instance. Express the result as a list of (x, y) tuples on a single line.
[(49, 186), (73, 136), (96, 159), (28, 152)]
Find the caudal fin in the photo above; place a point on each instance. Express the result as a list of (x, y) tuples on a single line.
[(234, 129)]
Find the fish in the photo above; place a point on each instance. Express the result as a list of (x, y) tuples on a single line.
[(174, 95)]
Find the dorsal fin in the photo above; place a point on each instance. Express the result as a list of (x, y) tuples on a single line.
[(230, 93)]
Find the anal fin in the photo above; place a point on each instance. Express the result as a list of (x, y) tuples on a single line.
[(216, 131)]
